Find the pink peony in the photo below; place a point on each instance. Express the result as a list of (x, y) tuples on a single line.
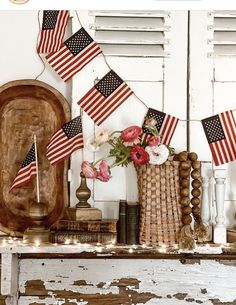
[(154, 141), (131, 134), (104, 173), (88, 170), (150, 122), (139, 155)]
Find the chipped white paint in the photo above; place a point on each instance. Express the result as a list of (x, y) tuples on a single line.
[(204, 281)]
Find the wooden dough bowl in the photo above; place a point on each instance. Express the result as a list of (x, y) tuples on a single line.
[(29, 107)]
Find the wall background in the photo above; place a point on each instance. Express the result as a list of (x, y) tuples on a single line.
[(160, 82)]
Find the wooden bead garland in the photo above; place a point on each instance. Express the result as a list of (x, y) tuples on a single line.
[(189, 165)]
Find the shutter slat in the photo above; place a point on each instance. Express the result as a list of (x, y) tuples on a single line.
[(224, 33), (131, 33)]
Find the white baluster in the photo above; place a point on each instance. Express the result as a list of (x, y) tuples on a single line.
[(220, 229), (206, 201)]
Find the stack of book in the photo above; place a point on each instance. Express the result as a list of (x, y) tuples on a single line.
[(85, 231), (128, 224)]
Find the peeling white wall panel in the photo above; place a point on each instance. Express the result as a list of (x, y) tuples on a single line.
[(166, 279)]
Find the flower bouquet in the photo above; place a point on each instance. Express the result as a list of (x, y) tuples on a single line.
[(129, 145)]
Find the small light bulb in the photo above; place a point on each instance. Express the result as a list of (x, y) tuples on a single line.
[(131, 250), (67, 241)]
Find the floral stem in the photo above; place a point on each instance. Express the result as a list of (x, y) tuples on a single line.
[(120, 162), (96, 162)]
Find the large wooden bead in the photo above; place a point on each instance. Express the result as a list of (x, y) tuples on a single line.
[(183, 156), (196, 164), (196, 192), (184, 201), (187, 210), (192, 156), (196, 183), (185, 165), (184, 192), (185, 183), (195, 201), (184, 173), (196, 211), (186, 220), (195, 174)]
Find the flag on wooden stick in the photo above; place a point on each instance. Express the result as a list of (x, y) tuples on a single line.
[(105, 97), (220, 131), (65, 141), (165, 124), (76, 52), (53, 31), (27, 171)]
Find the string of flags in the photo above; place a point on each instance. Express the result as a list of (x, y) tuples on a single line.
[(68, 58)]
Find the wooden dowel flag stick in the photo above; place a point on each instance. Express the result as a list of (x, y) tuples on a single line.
[(37, 169)]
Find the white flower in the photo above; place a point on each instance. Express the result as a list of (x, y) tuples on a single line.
[(158, 154), (92, 145), (102, 137)]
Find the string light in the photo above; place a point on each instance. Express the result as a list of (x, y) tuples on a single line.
[(131, 250)]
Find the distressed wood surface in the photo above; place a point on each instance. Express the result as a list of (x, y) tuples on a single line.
[(29, 107), (81, 281)]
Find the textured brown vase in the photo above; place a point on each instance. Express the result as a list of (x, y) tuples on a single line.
[(83, 193)]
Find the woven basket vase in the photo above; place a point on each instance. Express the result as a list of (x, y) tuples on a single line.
[(160, 211)]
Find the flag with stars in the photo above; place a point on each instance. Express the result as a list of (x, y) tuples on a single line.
[(220, 131), (76, 52), (105, 97), (165, 124), (27, 170), (53, 31), (65, 141)]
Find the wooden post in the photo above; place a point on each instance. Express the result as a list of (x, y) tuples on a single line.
[(9, 277), (220, 229)]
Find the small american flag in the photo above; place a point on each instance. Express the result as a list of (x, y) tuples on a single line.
[(221, 136), (65, 141), (166, 125), (74, 54), (27, 170), (53, 31), (105, 97)]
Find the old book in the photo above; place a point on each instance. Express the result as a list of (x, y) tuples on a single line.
[(105, 225), (132, 223), (62, 237), (231, 236), (121, 230), (84, 214)]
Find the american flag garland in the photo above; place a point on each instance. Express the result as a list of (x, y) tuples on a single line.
[(75, 53), (105, 97), (53, 31), (221, 136), (166, 125), (65, 141), (27, 171)]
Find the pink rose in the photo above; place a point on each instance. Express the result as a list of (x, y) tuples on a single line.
[(154, 141), (88, 170), (104, 173), (150, 122), (131, 134)]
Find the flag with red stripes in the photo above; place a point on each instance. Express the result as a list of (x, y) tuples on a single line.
[(65, 141), (76, 52), (53, 31), (165, 124), (221, 136), (105, 97), (27, 170)]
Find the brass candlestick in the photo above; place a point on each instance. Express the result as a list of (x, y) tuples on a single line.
[(83, 193), (37, 233)]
